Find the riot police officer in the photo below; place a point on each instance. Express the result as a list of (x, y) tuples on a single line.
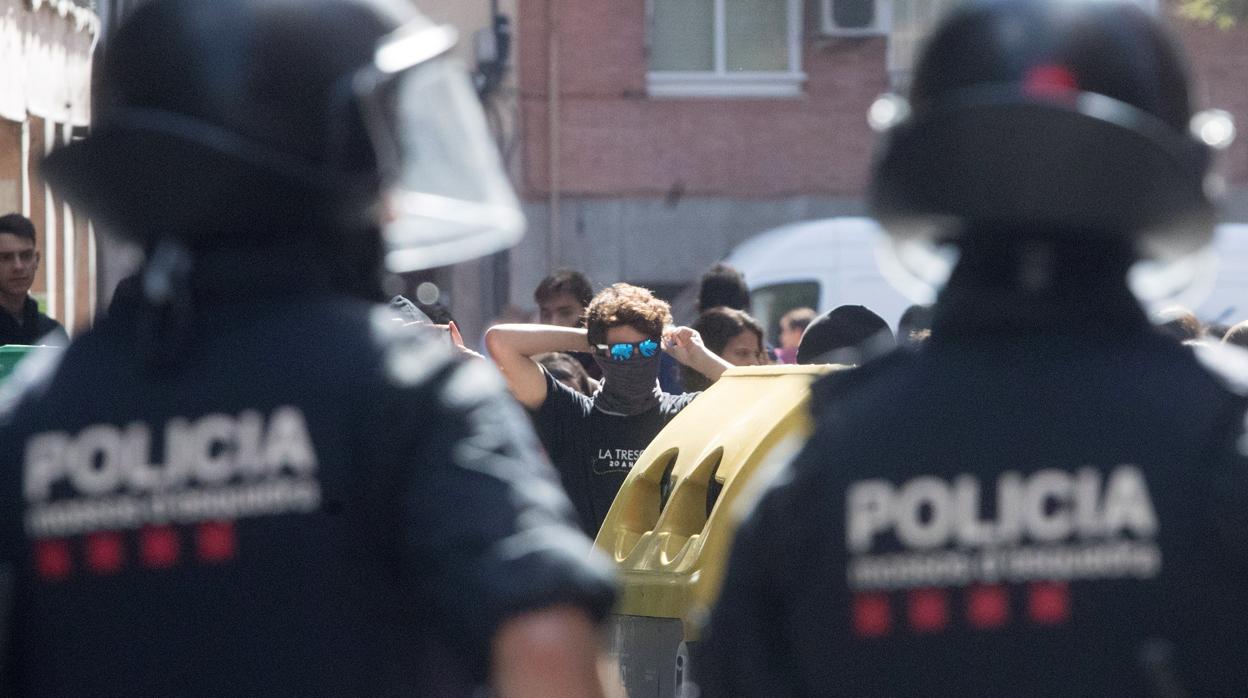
[(249, 480), (1047, 497)]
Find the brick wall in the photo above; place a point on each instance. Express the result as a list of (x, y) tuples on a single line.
[(1219, 64), (615, 140)]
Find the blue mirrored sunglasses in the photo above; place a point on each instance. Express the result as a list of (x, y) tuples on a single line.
[(624, 351)]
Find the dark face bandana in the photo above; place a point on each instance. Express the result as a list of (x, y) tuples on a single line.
[(628, 387)]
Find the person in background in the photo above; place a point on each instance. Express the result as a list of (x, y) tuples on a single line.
[(733, 335), (723, 286), (595, 440), (21, 322), (561, 301), (849, 335), (1047, 497), (562, 298), (792, 325)]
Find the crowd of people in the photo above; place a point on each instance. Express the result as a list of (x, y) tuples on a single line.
[(592, 371)]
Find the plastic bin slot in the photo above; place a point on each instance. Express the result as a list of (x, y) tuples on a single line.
[(642, 503), (685, 514)]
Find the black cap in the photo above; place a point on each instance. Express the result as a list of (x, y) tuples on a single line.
[(1048, 115), (849, 334)]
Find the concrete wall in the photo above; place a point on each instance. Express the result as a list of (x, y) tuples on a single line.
[(651, 241)]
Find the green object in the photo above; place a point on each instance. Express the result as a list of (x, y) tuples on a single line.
[(1224, 14), (10, 354)]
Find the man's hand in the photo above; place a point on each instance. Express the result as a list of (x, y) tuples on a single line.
[(547, 652), (685, 345), (457, 340)]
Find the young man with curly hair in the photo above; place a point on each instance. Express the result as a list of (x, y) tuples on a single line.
[(595, 440)]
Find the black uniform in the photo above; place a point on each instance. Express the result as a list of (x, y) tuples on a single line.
[(593, 450), (311, 501), (1047, 498), (35, 327)]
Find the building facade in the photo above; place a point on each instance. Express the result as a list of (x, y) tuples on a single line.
[(647, 137), (658, 134)]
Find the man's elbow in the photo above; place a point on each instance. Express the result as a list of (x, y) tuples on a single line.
[(496, 342)]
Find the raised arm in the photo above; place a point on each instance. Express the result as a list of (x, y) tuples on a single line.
[(513, 346), (685, 345)]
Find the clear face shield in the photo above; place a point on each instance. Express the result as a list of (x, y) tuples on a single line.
[(445, 196)]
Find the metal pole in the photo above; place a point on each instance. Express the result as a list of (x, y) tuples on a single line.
[(554, 249)]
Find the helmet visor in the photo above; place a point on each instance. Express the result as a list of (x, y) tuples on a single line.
[(446, 198)]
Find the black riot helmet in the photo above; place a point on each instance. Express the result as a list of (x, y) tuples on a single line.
[(272, 122), (1065, 116)]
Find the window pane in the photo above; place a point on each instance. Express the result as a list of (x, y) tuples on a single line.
[(683, 35), (770, 303), (853, 14), (758, 34)]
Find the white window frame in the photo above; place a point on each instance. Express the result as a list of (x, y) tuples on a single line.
[(883, 21), (721, 82)]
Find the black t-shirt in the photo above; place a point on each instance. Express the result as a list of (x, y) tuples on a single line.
[(311, 501), (34, 328), (1049, 502), (592, 450), (586, 360)]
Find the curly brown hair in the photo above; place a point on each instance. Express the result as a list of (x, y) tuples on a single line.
[(625, 304)]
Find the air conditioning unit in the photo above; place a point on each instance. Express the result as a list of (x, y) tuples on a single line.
[(855, 17)]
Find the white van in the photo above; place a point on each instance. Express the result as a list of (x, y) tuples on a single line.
[(826, 263)]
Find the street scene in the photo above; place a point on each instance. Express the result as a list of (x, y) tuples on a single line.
[(662, 348)]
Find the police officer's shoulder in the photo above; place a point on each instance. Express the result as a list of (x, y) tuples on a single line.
[(1226, 364), (848, 381)]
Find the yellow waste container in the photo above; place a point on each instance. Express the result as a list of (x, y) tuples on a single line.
[(670, 528)]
